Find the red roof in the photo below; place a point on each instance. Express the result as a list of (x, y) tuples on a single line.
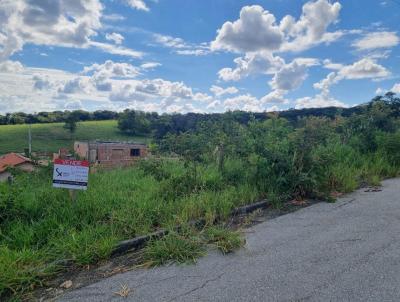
[(12, 160)]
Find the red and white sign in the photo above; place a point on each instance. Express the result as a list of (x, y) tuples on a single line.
[(70, 174)]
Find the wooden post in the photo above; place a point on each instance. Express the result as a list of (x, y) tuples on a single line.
[(72, 195)]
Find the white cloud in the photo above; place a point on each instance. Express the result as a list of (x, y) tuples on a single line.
[(169, 41), (363, 69), (59, 22), (257, 29), (116, 50), (244, 102), (41, 82), (396, 88), (272, 109), (73, 105), (318, 101), (62, 23), (311, 28), (275, 97), (219, 91), (112, 69), (374, 40), (150, 65), (74, 86), (250, 64), (11, 66), (330, 65), (137, 4), (180, 46), (113, 17), (289, 77), (115, 37)]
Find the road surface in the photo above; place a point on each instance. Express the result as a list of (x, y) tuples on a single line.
[(347, 251)]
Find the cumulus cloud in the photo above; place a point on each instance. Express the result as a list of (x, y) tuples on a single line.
[(289, 77), (74, 86), (11, 67), (257, 29), (244, 102), (73, 105), (366, 68), (56, 22), (63, 23), (250, 64), (318, 101), (311, 28), (41, 82), (374, 40), (275, 97), (112, 69), (219, 91), (115, 37)]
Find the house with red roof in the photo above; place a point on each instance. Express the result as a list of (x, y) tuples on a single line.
[(14, 160)]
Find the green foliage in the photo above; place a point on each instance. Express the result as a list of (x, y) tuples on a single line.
[(224, 239), (71, 122), (263, 157), (134, 122), (175, 247)]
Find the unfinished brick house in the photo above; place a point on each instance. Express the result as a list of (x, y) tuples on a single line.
[(110, 154)]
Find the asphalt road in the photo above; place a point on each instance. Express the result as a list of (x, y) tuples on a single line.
[(347, 251)]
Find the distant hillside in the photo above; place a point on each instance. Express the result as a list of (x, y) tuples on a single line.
[(51, 137)]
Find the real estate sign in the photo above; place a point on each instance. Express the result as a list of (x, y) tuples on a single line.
[(70, 174)]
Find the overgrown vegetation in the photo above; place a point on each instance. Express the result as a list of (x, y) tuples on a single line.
[(219, 165)]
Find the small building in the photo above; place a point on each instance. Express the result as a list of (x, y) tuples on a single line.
[(16, 161), (110, 154), (63, 153)]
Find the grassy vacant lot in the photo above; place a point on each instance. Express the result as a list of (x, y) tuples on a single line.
[(51, 137), (39, 224)]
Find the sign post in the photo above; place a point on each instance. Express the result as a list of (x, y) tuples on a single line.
[(71, 174)]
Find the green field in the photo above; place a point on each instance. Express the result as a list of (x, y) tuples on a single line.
[(51, 137)]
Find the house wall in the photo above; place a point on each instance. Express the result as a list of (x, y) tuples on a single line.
[(26, 167), (4, 176), (82, 150), (119, 152)]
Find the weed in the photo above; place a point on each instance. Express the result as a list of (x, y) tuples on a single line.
[(180, 248), (224, 239)]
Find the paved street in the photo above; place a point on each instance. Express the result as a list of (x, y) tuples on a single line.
[(347, 251)]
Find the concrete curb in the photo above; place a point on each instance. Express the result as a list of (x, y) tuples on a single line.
[(136, 243), (139, 242), (250, 208)]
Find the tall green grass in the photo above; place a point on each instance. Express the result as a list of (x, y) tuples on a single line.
[(40, 224)]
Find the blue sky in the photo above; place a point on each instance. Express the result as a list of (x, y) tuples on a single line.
[(192, 55)]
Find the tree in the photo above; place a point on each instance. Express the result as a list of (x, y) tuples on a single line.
[(134, 122), (71, 122)]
